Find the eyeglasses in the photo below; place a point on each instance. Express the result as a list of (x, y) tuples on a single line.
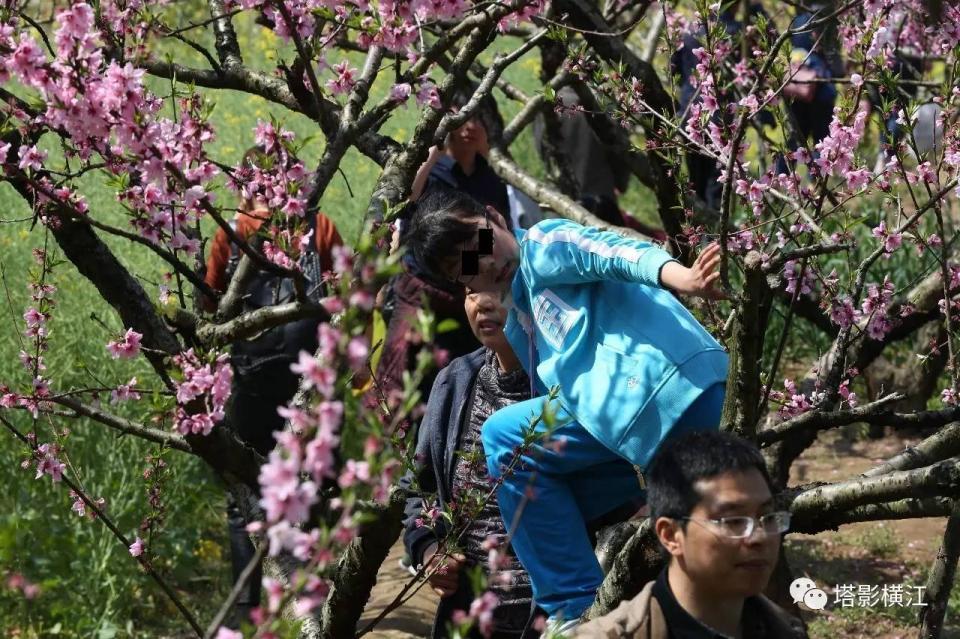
[(743, 527)]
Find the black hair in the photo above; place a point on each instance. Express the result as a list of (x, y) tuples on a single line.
[(440, 221), (683, 461)]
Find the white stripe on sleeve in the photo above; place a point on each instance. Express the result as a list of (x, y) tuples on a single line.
[(597, 247)]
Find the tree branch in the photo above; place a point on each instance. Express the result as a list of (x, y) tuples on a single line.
[(171, 440), (937, 480), (910, 508), (937, 447), (940, 580), (249, 324), (547, 196), (102, 516), (816, 420)]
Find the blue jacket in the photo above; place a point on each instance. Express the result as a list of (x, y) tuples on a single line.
[(628, 357)]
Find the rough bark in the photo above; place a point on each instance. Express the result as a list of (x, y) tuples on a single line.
[(741, 410), (356, 572), (939, 446), (813, 505), (640, 560), (940, 581)]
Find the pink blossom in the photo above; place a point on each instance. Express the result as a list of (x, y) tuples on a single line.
[(845, 393), (124, 392), (750, 103), (49, 463), (31, 157), (126, 348), (949, 396), (274, 591), (78, 506), (891, 241), (427, 94), (345, 79), (401, 92), (137, 547), (858, 179), (33, 317), (282, 495), (358, 350), (856, 79), (329, 339), (276, 255), (843, 313), (315, 375), (342, 259), (225, 633), (27, 62), (791, 271), (363, 300), (353, 472), (481, 610)]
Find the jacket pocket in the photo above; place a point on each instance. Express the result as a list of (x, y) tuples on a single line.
[(608, 398)]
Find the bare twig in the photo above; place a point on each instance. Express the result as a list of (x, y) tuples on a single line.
[(102, 516)]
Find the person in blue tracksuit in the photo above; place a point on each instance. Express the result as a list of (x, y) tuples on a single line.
[(592, 313)]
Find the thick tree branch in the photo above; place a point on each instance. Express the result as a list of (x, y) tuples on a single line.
[(357, 569), (817, 420), (937, 480), (940, 580), (741, 409), (637, 563), (937, 447), (910, 508), (549, 197), (254, 322)]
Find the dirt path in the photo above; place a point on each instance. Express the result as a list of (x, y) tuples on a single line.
[(412, 619), (869, 554)]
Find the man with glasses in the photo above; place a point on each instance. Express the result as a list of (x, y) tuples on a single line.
[(713, 511)]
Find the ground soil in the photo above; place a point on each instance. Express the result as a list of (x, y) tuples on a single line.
[(877, 553)]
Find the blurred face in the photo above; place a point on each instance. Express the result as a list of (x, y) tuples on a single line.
[(495, 270), (470, 137), (487, 318), (714, 563)]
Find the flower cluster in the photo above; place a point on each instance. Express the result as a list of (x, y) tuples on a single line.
[(201, 393), (49, 463), (126, 347)]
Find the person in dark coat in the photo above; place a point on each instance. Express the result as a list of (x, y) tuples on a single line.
[(452, 465)]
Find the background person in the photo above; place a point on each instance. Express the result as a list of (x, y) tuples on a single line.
[(713, 511), (262, 378)]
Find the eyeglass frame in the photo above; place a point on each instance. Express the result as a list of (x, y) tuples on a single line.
[(754, 524)]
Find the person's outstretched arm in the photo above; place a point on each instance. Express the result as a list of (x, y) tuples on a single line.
[(563, 252)]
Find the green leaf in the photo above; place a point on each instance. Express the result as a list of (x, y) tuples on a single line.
[(447, 325)]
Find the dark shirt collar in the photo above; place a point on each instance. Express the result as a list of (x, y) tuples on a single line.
[(682, 625)]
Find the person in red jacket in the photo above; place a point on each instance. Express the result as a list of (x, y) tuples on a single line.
[(250, 217), (261, 383)]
